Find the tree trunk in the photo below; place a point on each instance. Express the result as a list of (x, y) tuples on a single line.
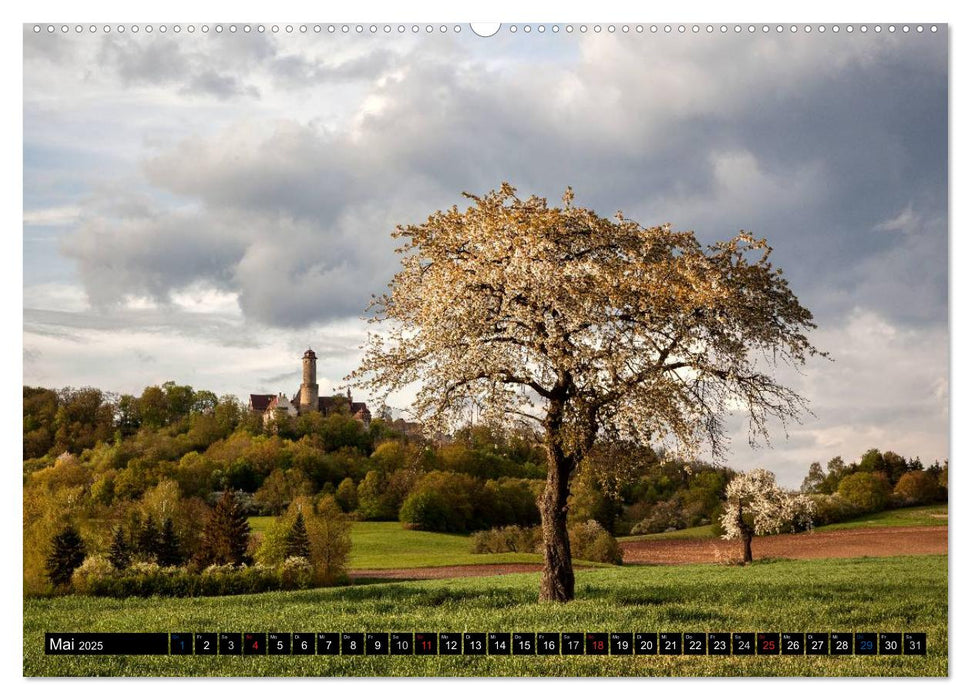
[(557, 582), (746, 547)]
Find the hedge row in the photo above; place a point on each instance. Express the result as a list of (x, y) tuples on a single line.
[(95, 579)]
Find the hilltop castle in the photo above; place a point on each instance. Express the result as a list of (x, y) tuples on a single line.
[(307, 399)]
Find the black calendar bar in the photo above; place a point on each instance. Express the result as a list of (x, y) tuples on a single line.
[(497, 644), (114, 643)]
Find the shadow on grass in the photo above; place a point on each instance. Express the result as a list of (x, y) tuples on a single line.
[(765, 560), (414, 593), (369, 580)]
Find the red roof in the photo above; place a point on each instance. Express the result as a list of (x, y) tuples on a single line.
[(260, 402), (325, 404)]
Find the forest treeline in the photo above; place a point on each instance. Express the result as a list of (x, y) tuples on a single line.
[(106, 464), (879, 480)]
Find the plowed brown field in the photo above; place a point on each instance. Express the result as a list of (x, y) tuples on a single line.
[(859, 542)]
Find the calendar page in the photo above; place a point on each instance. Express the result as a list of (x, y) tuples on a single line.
[(519, 349)]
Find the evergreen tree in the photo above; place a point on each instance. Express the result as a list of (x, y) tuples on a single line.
[(149, 539), (67, 554), (120, 553), (226, 535), (169, 552), (297, 542)]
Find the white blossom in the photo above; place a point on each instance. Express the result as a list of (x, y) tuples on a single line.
[(755, 505), (589, 326)]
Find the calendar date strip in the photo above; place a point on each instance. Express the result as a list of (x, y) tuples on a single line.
[(487, 643)]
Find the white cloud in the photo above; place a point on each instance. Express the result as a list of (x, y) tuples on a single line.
[(201, 299), (52, 216), (907, 221), (56, 295), (886, 387), (151, 348), (220, 193)]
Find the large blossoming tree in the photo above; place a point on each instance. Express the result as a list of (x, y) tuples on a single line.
[(587, 325)]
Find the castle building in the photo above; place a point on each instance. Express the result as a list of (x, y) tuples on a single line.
[(307, 399)]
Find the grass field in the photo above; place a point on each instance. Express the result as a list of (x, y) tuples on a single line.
[(390, 546), (899, 517), (898, 593)]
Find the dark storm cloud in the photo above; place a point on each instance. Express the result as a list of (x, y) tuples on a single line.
[(188, 64), (279, 378), (819, 144), (136, 61), (224, 66), (152, 255), (878, 131), (218, 85)]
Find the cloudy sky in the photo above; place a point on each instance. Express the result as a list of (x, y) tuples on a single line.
[(203, 207)]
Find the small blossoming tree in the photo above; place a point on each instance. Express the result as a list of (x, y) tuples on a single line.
[(755, 505)]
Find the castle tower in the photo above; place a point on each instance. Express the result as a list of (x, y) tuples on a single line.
[(309, 397)]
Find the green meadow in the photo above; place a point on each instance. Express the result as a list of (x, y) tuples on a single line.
[(867, 594), (917, 516), (689, 533), (388, 545)]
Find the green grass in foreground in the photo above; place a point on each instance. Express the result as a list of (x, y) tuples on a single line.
[(899, 517), (874, 594)]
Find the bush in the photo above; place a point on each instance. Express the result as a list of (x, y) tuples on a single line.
[(631, 516), (590, 541), (442, 502), (918, 488), (868, 491), (296, 572), (373, 502), (664, 516), (587, 501), (508, 501), (834, 508), (227, 579), (148, 579), (346, 495), (330, 542), (87, 575), (429, 510), (512, 538)]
